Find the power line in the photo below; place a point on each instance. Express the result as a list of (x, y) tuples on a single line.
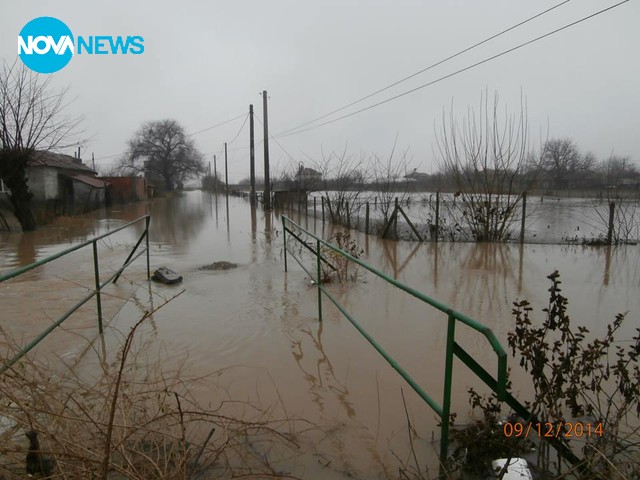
[(239, 131), (215, 126), (424, 69), (504, 52), (276, 140)]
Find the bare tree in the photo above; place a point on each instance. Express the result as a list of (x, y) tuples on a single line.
[(162, 150), (488, 159), (388, 179), (32, 120), (616, 169), (563, 162), (342, 180)]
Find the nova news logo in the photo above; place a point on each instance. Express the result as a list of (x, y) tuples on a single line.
[(46, 45)]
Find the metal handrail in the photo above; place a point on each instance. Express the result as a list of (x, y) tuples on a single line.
[(98, 285), (452, 348)]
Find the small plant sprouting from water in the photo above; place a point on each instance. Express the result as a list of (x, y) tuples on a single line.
[(339, 267)]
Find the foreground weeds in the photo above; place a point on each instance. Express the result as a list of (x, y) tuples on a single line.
[(133, 419)]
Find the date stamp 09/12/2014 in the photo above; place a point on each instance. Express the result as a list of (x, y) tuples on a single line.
[(548, 429)]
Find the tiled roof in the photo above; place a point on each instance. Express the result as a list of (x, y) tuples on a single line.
[(92, 181), (58, 160)]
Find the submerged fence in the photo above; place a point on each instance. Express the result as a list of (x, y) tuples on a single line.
[(98, 284), (445, 217)]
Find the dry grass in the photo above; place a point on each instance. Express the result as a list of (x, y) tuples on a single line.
[(132, 418)]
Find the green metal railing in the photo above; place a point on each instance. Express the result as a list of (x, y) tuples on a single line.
[(98, 285), (452, 348)]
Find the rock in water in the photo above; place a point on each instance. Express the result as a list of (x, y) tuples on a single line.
[(167, 276), (222, 265)]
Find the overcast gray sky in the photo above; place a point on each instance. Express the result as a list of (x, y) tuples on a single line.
[(206, 61)]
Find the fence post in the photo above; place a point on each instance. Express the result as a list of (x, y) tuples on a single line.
[(437, 215), (147, 220), (524, 214), (612, 211), (366, 219), (395, 221), (284, 241), (446, 398), (96, 272), (319, 279)]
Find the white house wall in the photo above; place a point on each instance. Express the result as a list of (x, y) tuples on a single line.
[(43, 183)]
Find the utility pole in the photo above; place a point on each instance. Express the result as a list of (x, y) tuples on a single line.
[(252, 158), (226, 170), (215, 174), (93, 162), (267, 180)]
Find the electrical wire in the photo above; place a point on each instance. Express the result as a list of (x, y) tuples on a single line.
[(239, 131), (440, 62), (488, 59), (215, 126), (279, 144)]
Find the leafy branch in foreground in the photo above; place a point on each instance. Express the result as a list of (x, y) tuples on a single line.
[(596, 382), (586, 388)]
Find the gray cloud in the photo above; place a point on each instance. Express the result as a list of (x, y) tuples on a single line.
[(205, 62)]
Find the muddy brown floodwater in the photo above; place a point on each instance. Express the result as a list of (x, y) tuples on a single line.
[(261, 323)]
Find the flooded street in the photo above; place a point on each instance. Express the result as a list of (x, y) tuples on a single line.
[(261, 324)]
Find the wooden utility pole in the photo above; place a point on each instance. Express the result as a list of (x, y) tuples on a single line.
[(215, 174), (267, 180), (252, 158), (226, 170)]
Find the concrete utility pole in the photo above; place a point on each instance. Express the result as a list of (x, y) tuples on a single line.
[(226, 170), (252, 158), (267, 180)]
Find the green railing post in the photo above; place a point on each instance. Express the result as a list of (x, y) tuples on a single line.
[(284, 239), (96, 272), (319, 279), (146, 234), (98, 284), (446, 397)]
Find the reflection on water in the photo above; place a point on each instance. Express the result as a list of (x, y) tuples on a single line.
[(258, 316)]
